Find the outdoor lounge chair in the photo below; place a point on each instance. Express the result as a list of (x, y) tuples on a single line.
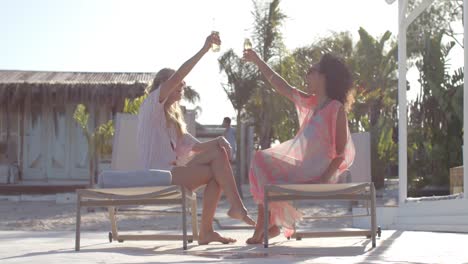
[(343, 191), (362, 191), (131, 193)]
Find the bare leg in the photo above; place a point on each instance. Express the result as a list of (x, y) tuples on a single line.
[(257, 237), (192, 177), (222, 171), (211, 196)]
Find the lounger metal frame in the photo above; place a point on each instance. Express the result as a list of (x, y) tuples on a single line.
[(113, 198), (346, 192)]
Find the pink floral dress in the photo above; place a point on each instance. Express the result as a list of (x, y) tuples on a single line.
[(302, 159)]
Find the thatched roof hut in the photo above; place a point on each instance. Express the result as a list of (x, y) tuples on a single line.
[(103, 87), (36, 109)]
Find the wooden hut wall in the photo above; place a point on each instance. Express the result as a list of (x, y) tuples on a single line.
[(102, 93), (9, 134)]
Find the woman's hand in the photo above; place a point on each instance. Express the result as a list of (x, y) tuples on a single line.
[(223, 143), (251, 56), (213, 38), (172, 83)]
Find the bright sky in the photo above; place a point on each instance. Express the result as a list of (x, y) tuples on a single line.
[(145, 36)]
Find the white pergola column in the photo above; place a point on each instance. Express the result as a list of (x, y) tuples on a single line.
[(465, 101), (402, 112), (403, 23)]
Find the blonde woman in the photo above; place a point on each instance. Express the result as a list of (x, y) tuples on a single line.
[(165, 144)]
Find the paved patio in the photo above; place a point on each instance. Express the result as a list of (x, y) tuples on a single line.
[(392, 247), (41, 230)]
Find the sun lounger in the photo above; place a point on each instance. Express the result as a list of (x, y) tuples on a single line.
[(126, 185), (346, 192), (113, 198), (355, 186)]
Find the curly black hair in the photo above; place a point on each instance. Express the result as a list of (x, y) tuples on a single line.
[(338, 79)]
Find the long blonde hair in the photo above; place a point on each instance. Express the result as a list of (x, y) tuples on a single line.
[(174, 114)]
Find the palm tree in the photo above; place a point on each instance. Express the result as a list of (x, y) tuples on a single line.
[(241, 82), (268, 39), (375, 66)]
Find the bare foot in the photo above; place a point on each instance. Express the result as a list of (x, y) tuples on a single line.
[(257, 237), (241, 214), (206, 238)]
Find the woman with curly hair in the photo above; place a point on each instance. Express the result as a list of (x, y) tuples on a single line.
[(322, 148)]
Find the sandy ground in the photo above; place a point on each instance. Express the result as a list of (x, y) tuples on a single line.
[(34, 231), (53, 216), (57, 213)]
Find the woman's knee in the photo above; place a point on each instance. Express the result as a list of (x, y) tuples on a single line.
[(215, 153), (221, 154)]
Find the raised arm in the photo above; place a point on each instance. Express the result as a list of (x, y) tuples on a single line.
[(168, 86), (283, 87)]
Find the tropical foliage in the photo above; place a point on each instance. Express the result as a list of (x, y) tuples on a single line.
[(435, 117), (435, 129), (96, 139)]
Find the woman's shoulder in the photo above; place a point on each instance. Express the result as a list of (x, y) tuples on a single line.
[(150, 109), (333, 108), (152, 99), (153, 96), (302, 98), (336, 105)]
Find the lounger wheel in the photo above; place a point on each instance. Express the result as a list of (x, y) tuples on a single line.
[(120, 240), (110, 237), (190, 240), (298, 238), (378, 233)]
